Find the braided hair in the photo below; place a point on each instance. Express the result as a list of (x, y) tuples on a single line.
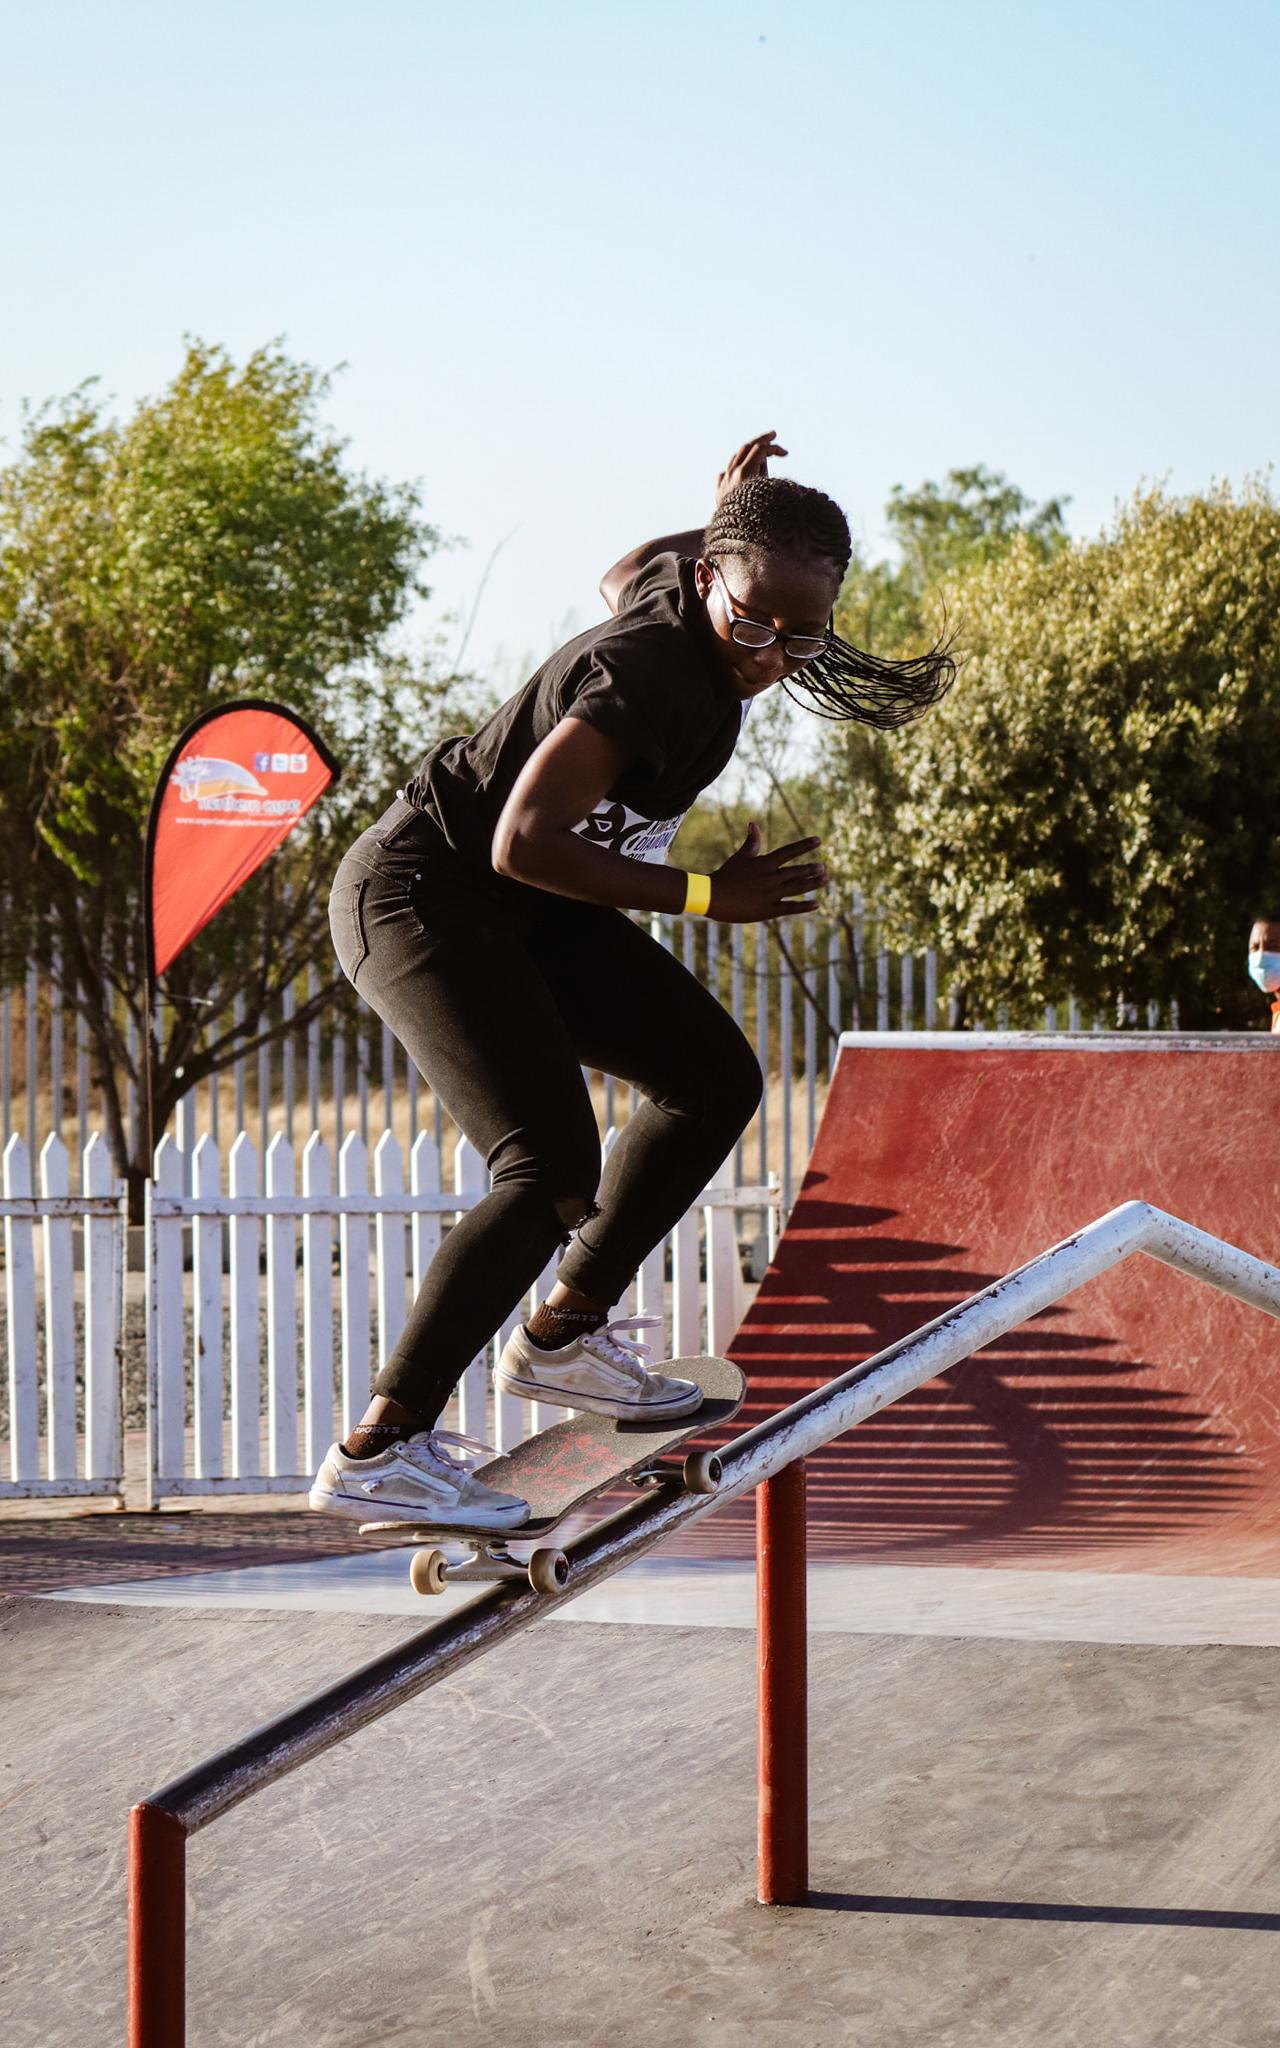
[(770, 516)]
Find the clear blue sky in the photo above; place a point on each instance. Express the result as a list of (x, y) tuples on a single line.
[(572, 253)]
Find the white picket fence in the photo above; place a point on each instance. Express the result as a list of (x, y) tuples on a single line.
[(59, 1443), (253, 1362)]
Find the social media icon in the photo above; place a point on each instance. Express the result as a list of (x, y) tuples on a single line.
[(279, 764), (297, 764), (262, 764)]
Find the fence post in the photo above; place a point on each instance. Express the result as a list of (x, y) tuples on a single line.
[(427, 1226), (782, 1700), (203, 1171), (20, 1318), (104, 1244), (317, 1311), (246, 1428), (59, 1317), (686, 1305), (470, 1177), (353, 1265), (166, 1365), (390, 1239), (724, 1275), (282, 1313)]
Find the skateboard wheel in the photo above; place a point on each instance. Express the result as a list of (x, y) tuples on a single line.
[(428, 1570), (548, 1571), (702, 1472)]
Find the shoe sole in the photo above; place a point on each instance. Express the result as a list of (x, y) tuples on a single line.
[(596, 1404), (324, 1503)]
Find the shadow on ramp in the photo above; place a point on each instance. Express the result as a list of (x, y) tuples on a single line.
[(1135, 1426)]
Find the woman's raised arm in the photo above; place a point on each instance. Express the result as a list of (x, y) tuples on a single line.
[(752, 459)]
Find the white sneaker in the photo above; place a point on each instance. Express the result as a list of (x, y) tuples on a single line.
[(426, 1479), (604, 1372)]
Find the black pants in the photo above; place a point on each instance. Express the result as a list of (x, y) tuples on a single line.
[(500, 995)]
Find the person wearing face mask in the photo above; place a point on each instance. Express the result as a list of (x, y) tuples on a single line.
[(1264, 962)]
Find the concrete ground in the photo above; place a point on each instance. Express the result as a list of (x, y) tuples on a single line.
[(1014, 1842)]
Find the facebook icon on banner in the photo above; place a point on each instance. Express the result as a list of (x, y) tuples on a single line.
[(262, 764)]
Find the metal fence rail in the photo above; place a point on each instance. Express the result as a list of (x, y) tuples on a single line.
[(160, 1824)]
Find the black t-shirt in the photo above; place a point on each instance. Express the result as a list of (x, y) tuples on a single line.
[(648, 678)]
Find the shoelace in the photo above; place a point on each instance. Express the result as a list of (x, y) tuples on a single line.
[(625, 1351), (447, 1450)]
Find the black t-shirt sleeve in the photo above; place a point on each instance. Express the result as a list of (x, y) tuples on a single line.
[(628, 705), (659, 574)]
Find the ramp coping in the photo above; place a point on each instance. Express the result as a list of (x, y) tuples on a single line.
[(1067, 1041)]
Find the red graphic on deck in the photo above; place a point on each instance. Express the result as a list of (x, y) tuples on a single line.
[(233, 788)]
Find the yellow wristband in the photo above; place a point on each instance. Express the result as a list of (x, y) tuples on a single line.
[(697, 895)]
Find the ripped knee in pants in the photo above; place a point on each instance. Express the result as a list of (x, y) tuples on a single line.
[(572, 1212)]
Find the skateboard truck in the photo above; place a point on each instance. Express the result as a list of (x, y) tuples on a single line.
[(431, 1570), (699, 1473)]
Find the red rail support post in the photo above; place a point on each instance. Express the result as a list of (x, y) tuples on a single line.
[(783, 1699), (157, 1929)]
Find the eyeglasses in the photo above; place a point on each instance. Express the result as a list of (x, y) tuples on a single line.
[(749, 632)]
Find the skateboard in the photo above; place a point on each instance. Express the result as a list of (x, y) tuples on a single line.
[(564, 1467)]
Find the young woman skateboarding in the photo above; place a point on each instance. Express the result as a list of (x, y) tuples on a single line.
[(483, 919)]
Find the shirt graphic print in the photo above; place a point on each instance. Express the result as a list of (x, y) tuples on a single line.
[(620, 830)]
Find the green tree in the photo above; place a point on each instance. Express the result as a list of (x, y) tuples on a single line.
[(941, 532), (214, 544), (1091, 811)]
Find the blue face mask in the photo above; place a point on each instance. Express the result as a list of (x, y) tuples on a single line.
[(1264, 968)]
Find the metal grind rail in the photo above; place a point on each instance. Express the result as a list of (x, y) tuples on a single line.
[(768, 1456)]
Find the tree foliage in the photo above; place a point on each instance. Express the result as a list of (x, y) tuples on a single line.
[(214, 544), (941, 532), (1091, 811)]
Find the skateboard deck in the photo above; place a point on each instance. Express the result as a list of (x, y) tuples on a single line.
[(561, 1469)]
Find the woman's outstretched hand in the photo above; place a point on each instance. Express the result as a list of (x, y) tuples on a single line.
[(752, 459), (752, 886)]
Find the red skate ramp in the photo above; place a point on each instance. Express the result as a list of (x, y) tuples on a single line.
[(1136, 1426)]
